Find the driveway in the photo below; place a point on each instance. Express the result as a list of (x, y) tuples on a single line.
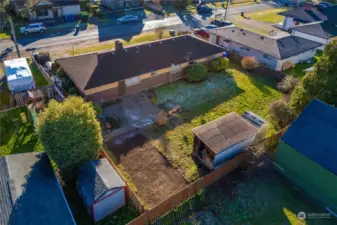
[(135, 110)]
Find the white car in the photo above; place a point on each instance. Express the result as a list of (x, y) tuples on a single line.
[(128, 19), (33, 28)]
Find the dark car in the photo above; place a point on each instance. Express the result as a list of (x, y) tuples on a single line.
[(204, 9), (201, 33), (219, 23), (326, 4)]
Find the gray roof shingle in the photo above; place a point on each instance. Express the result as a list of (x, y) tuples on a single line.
[(30, 193), (314, 134), (280, 48), (97, 69), (322, 29), (95, 178), (224, 132)]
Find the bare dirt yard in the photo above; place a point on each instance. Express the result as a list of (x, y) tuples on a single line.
[(155, 180)]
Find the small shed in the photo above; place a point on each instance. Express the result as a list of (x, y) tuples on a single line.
[(307, 153), (101, 188), (222, 139), (18, 74)]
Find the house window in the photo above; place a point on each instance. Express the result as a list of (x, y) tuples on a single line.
[(265, 56), (132, 81), (175, 68), (42, 12), (154, 73), (245, 48)]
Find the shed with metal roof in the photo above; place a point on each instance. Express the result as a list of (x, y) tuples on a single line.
[(101, 188), (220, 140)]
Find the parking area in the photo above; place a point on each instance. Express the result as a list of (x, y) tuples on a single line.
[(148, 171), (134, 110)]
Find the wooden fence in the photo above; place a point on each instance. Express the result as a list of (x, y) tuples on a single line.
[(191, 190), (132, 197), (43, 71), (261, 70)]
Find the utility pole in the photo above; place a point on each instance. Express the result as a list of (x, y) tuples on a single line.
[(227, 8), (14, 37)]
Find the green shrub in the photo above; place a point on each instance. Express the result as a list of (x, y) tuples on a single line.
[(196, 72), (54, 67), (93, 8), (287, 84), (84, 16), (281, 113), (220, 64)]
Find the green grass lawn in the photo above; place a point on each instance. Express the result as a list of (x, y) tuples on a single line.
[(267, 15), (17, 134), (4, 35), (38, 77), (204, 102), (298, 69), (149, 36)]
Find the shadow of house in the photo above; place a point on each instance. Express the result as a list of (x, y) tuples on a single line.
[(30, 191)]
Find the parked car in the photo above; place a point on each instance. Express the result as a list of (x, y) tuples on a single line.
[(201, 33), (219, 23), (326, 4), (211, 26), (204, 9), (128, 19), (33, 28)]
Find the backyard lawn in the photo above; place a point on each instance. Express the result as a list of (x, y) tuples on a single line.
[(203, 102), (267, 15), (17, 134)]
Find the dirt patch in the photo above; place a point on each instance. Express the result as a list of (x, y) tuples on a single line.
[(149, 171)]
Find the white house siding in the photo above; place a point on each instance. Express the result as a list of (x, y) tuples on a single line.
[(286, 63), (323, 41), (232, 46), (231, 152), (109, 204), (71, 10)]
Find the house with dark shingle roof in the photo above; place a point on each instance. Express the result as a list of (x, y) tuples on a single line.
[(101, 188), (102, 77), (321, 32), (278, 53), (52, 11), (307, 14), (307, 153), (30, 192)]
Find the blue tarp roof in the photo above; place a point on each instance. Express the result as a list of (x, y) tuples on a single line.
[(314, 134), (95, 178)]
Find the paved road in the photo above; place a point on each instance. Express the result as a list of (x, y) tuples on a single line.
[(179, 22)]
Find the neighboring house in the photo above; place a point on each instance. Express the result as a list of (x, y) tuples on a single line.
[(222, 139), (278, 53), (321, 32), (121, 4), (102, 77), (49, 10), (30, 192), (307, 153), (101, 188), (18, 75), (306, 14)]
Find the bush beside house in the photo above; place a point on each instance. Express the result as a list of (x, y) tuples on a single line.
[(196, 72), (220, 64)]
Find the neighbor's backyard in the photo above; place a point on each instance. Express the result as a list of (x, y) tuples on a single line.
[(258, 195), (202, 102)]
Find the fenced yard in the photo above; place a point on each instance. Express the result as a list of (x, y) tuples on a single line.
[(17, 134), (203, 102), (256, 195)]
